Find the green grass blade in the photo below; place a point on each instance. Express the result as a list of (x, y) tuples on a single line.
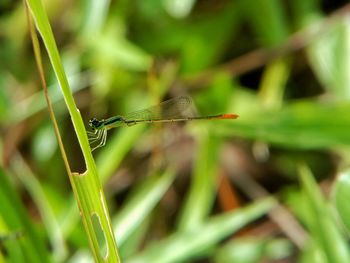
[(324, 230), (185, 245), (146, 196), (341, 196), (307, 124), (113, 153), (30, 247), (86, 186), (203, 186), (34, 188)]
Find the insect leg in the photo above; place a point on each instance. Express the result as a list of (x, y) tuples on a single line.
[(103, 136), (97, 136)]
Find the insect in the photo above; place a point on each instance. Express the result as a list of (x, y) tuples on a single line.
[(172, 110)]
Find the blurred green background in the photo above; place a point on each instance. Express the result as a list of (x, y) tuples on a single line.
[(271, 186)]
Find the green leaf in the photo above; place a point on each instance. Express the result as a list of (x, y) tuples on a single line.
[(144, 199), (185, 245), (306, 124), (324, 230), (30, 247), (86, 186), (341, 197)]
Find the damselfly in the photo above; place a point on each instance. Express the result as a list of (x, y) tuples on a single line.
[(172, 110)]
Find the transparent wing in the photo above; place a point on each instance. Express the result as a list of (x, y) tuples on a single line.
[(170, 109)]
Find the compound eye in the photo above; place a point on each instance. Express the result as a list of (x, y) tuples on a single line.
[(93, 122)]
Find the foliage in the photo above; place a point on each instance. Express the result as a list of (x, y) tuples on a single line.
[(269, 185)]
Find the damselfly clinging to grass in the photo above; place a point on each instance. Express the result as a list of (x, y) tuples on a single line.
[(168, 111)]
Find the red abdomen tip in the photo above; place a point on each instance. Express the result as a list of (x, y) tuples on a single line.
[(229, 116)]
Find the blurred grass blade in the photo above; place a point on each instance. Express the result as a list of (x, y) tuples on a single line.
[(324, 230), (273, 83), (254, 250), (183, 246), (31, 247), (136, 240), (179, 8), (341, 197), (329, 57), (146, 196), (35, 103), (116, 149), (193, 42), (306, 124), (203, 189), (271, 27), (118, 50), (202, 192), (94, 16), (37, 194)]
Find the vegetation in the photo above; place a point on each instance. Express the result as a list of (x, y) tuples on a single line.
[(269, 186)]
